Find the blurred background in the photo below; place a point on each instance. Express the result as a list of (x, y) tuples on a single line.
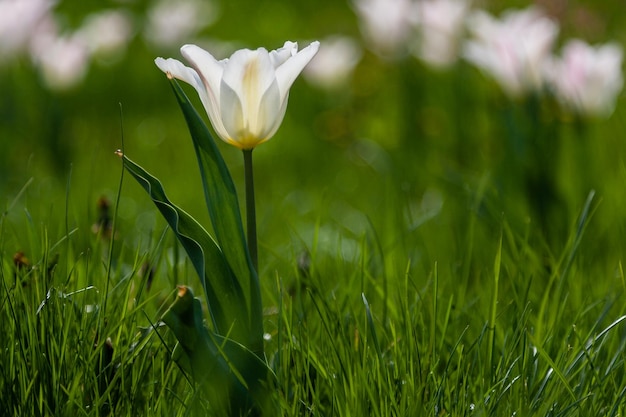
[(420, 124)]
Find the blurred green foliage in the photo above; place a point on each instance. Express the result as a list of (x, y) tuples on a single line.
[(397, 133)]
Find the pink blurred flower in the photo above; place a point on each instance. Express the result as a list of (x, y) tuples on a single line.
[(587, 78), (386, 25), (512, 49), (440, 25)]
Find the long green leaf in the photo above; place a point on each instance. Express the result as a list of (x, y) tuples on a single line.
[(225, 297), (223, 206)]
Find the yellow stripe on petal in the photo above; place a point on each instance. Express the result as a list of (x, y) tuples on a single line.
[(252, 95)]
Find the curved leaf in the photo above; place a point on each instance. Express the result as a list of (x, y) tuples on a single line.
[(225, 297)]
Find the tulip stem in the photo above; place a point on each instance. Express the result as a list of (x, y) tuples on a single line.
[(250, 207)]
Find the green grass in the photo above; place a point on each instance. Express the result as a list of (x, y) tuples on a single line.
[(357, 327)]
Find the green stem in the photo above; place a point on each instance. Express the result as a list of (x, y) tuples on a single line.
[(250, 207)]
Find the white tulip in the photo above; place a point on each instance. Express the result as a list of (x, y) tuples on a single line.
[(63, 60), (587, 78), (19, 19), (386, 25), (513, 49), (170, 22), (245, 96), (440, 25), (333, 65), (107, 33)]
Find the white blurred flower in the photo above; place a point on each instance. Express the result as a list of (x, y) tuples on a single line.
[(106, 33), (172, 22), (245, 95), (512, 49), (18, 20), (440, 25), (386, 25), (587, 78), (334, 63), (63, 61)]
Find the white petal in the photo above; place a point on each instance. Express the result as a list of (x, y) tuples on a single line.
[(270, 115), (232, 118), (249, 74), (279, 115), (287, 73), (210, 71), (279, 56), (177, 69)]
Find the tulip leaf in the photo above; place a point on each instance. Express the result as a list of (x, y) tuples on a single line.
[(233, 377), (223, 206), (225, 297)]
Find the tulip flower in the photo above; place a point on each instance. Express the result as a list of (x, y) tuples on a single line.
[(246, 95), (512, 49), (62, 60), (387, 25), (586, 78), (440, 25), (107, 33), (19, 20), (170, 22), (333, 65)]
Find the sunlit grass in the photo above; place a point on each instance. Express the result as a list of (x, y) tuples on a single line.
[(471, 317)]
